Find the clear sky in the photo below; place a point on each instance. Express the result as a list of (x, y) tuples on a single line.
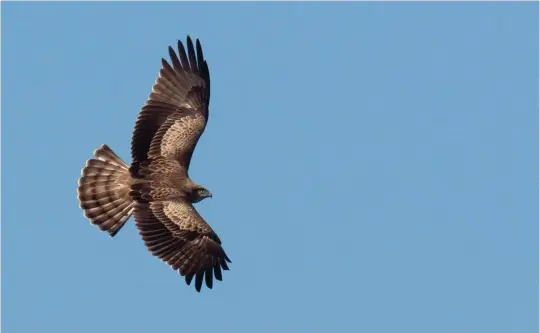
[(373, 165)]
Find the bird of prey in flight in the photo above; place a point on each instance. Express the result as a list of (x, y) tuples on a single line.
[(156, 188)]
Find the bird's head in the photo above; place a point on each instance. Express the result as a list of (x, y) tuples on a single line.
[(199, 193)]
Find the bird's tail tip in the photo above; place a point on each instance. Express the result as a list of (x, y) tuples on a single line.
[(103, 191)]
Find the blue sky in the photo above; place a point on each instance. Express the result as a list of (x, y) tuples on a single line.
[(373, 165)]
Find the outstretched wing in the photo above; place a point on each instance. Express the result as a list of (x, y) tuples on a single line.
[(176, 112), (174, 232)]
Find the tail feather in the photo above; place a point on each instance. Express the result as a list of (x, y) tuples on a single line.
[(101, 165), (106, 154), (103, 191)]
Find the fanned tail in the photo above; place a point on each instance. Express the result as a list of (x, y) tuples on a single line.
[(103, 191)]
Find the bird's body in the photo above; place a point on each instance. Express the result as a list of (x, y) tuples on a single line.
[(156, 189)]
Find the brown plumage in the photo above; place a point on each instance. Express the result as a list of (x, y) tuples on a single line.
[(156, 188)]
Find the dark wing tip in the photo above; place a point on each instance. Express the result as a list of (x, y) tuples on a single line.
[(217, 272), (208, 276), (200, 55), (164, 63), (198, 280), (203, 260), (189, 278), (191, 55), (183, 56), (174, 59), (191, 59), (224, 265)]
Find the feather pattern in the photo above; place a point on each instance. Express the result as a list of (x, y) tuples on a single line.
[(103, 191), (174, 232), (181, 90), (156, 188), (165, 136)]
